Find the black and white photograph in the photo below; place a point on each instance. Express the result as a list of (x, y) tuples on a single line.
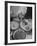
[(20, 22)]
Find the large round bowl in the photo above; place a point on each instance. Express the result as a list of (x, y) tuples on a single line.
[(19, 34)]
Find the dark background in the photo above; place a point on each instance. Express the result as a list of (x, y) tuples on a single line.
[(28, 15)]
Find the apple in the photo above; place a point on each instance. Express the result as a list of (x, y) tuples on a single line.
[(14, 25), (26, 25)]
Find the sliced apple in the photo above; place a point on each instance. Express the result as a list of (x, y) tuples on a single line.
[(27, 26)]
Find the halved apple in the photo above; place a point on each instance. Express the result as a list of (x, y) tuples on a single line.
[(26, 25)]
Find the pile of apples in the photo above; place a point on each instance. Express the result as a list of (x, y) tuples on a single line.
[(25, 25)]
